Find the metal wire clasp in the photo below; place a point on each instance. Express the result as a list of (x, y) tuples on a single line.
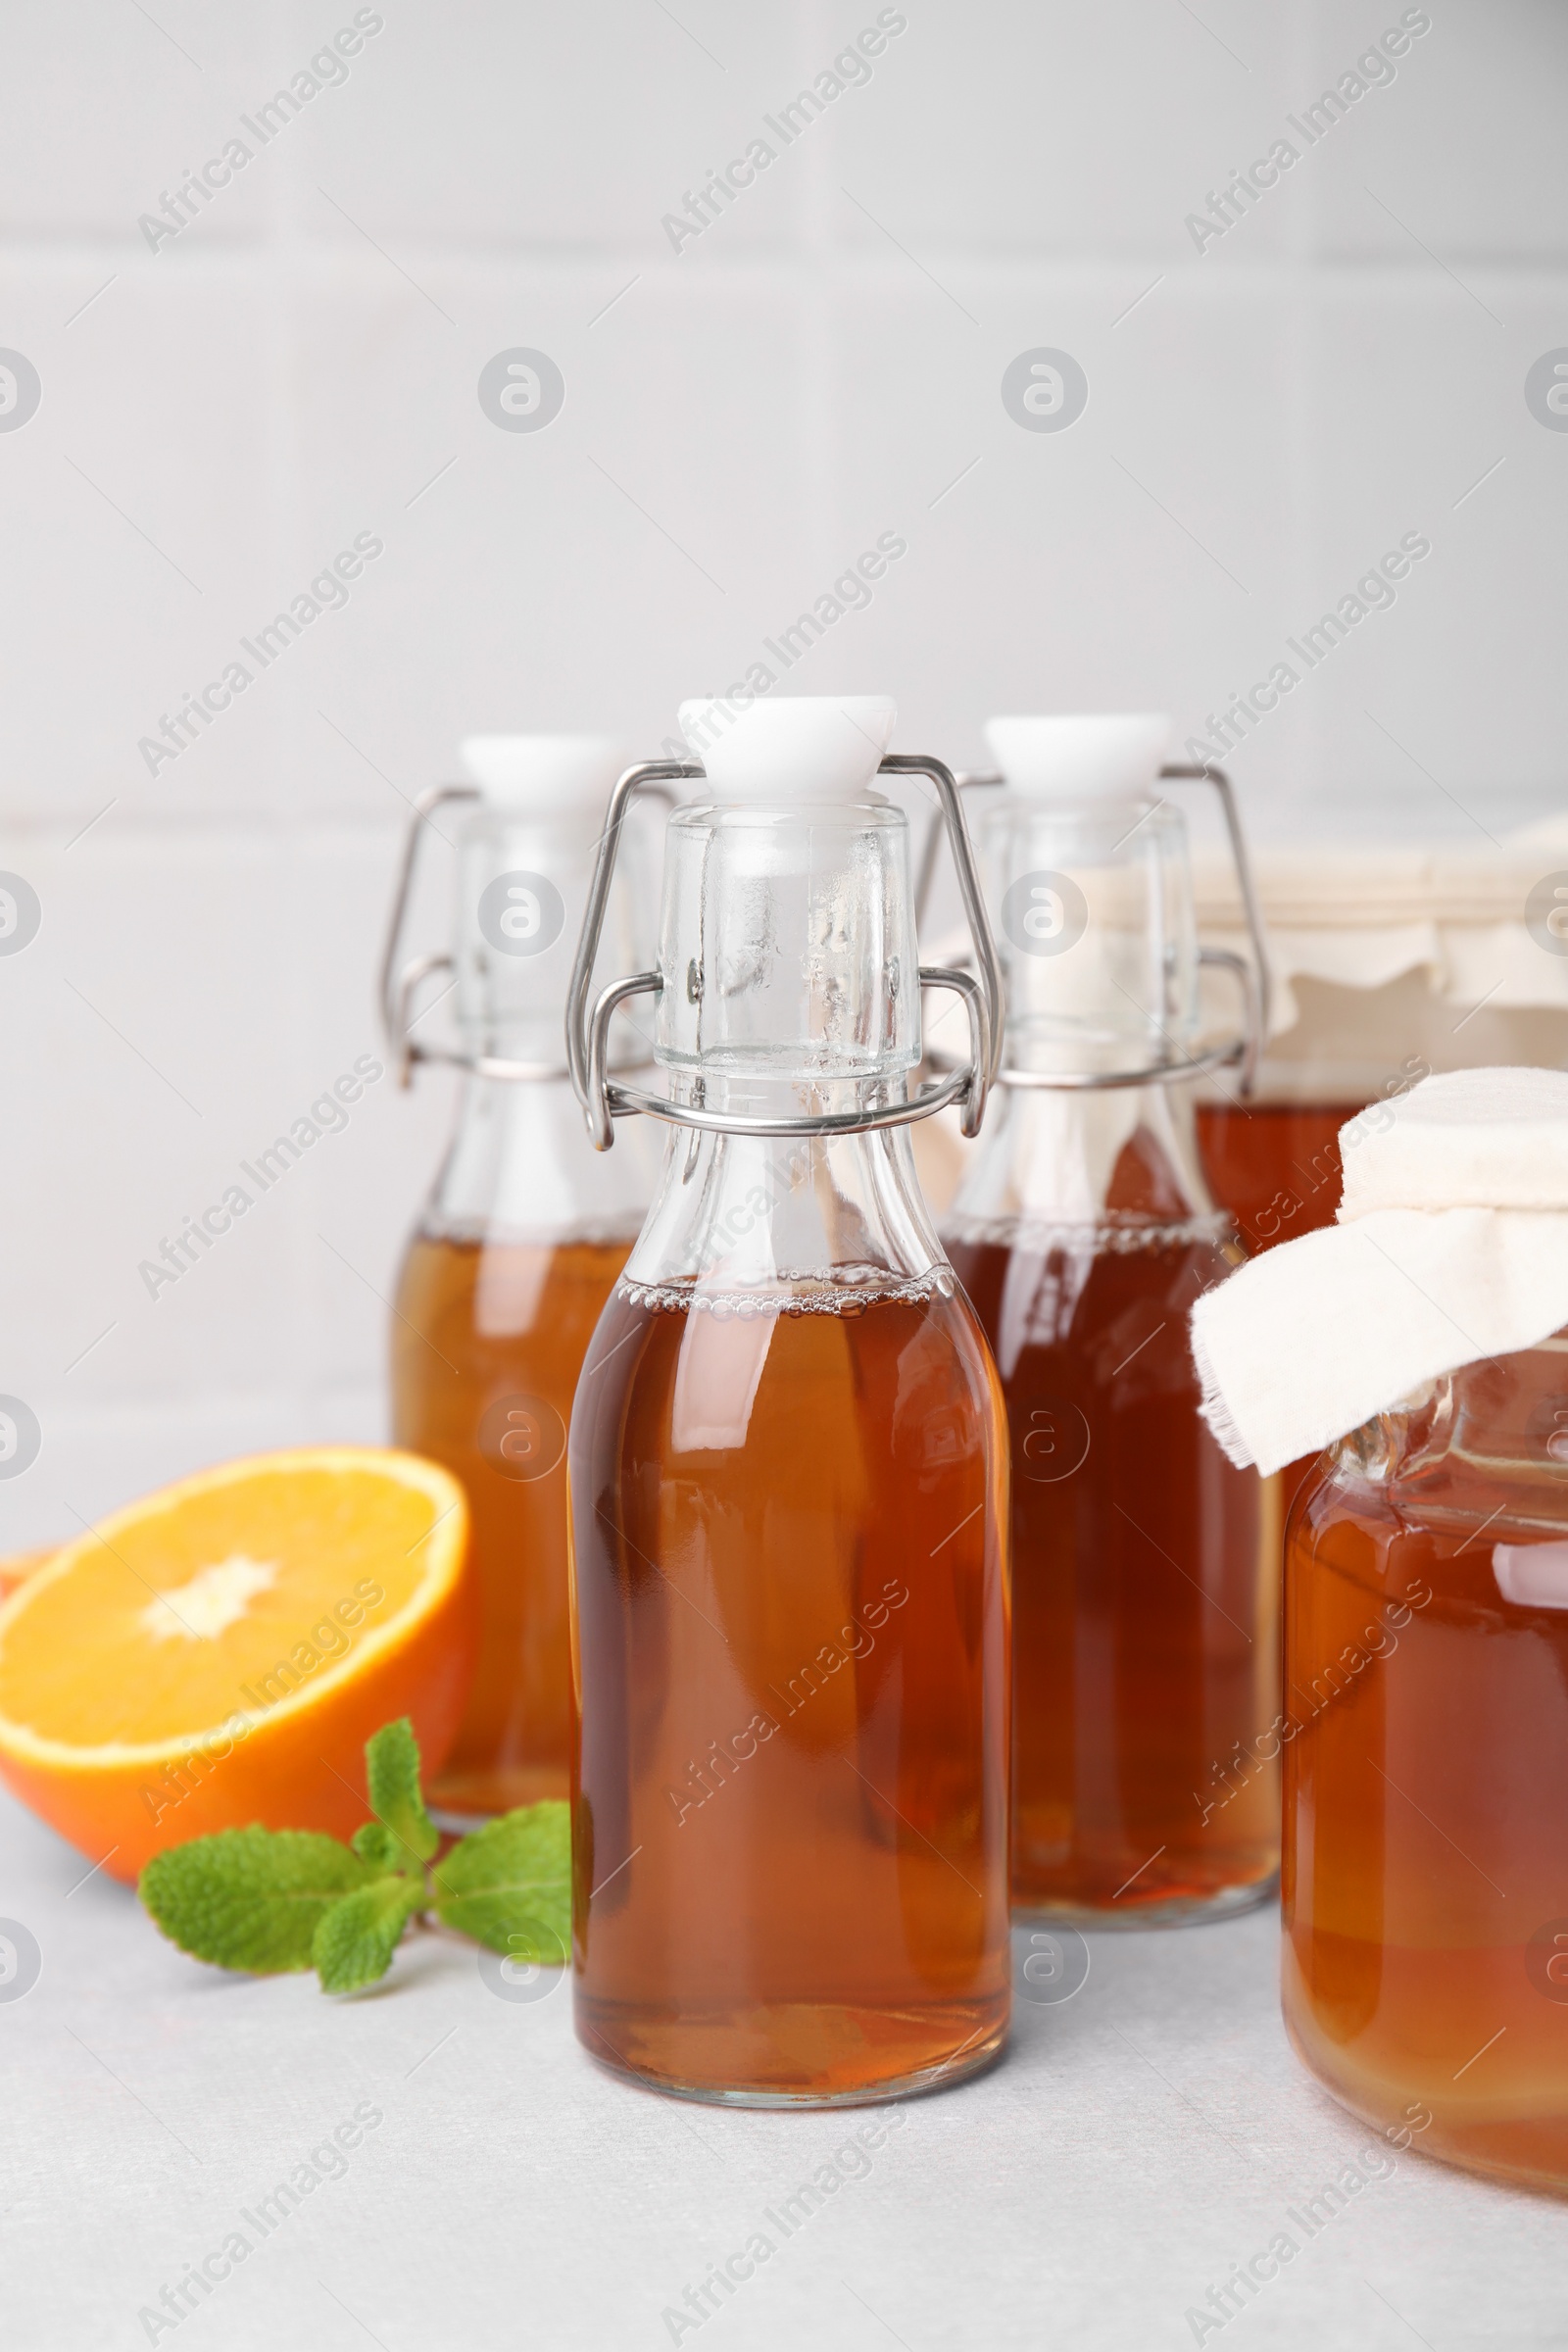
[(400, 980), (1241, 1051), (603, 1100)]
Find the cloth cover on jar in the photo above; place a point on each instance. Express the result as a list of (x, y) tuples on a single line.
[(1451, 1246)]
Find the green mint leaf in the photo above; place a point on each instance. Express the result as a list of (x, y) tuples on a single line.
[(355, 1939), (374, 1843), (510, 1884), (249, 1898), (392, 1768)]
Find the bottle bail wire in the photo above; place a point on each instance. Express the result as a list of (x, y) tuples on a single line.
[(604, 1098), (401, 980), (1241, 1051)]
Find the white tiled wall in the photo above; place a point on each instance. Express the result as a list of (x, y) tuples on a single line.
[(822, 365)]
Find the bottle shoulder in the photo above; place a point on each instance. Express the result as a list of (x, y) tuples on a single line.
[(1122, 1159), (1117, 1234), (781, 1216), (519, 1169)]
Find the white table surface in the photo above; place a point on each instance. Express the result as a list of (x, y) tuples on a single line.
[(1135, 2144)]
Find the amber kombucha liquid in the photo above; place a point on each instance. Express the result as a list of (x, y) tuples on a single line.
[(790, 1616), (1276, 1167), (1145, 1566), (487, 1342), (1425, 1886)]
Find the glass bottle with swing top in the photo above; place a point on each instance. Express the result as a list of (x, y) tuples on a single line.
[(789, 1469), (1146, 1568), (523, 1234)]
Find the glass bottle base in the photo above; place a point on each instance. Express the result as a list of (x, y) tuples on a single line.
[(969, 2058), (1170, 1911)]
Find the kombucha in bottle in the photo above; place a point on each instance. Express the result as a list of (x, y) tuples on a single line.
[(789, 1489), (1146, 1567), (517, 1250)]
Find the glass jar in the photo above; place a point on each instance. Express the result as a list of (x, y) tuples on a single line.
[(518, 1243), (1394, 953), (1425, 1743), (788, 1487), (1396, 948)]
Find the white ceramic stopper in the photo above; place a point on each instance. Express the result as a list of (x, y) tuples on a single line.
[(1110, 757), (790, 748), (545, 775)]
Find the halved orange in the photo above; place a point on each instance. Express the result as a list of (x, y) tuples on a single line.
[(17, 1566), (219, 1652)]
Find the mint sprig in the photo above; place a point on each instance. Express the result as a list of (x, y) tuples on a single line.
[(250, 1898), (510, 1884), (271, 1900), (353, 1942), (392, 1775)]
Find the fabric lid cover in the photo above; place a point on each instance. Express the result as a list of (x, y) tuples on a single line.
[(1451, 1246), (1359, 914)]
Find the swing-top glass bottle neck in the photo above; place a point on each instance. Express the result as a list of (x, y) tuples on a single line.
[(790, 990), (787, 954), (518, 1165), (1087, 876)]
